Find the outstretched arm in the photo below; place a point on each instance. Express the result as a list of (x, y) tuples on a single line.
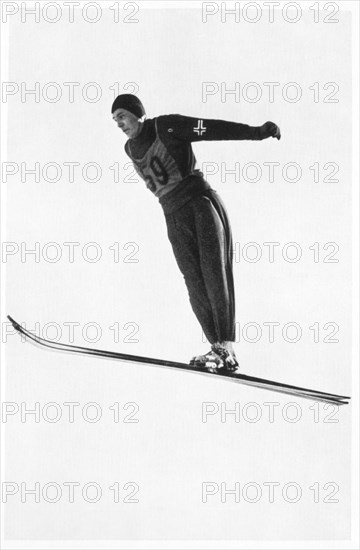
[(201, 129)]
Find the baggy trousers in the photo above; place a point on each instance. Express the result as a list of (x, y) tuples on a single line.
[(200, 235)]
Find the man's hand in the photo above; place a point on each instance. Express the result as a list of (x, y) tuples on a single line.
[(269, 129)]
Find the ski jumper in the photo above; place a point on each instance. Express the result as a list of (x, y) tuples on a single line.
[(197, 222)]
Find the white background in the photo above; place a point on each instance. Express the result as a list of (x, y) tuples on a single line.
[(170, 452)]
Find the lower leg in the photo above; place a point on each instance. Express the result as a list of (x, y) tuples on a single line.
[(181, 228), (216, 256)]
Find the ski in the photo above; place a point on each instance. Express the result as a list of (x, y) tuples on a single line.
[(261, 383)]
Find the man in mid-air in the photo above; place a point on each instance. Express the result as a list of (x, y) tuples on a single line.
[(197, 223)]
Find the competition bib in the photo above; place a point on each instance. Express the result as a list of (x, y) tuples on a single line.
[(158, 168)]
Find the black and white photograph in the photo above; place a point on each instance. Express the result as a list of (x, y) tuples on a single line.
[(179, 275)]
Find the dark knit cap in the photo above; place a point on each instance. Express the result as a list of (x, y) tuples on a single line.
[(129, 102)]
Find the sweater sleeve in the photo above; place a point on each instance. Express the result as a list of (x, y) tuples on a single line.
[(191, 129)]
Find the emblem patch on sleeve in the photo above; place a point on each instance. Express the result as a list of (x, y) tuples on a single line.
[(200, 129)]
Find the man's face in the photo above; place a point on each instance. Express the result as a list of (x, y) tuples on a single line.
[(127, 122)]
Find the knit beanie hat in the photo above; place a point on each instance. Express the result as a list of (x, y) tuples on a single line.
[(129, 102)]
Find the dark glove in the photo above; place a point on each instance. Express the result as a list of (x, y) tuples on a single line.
[(269, 129)]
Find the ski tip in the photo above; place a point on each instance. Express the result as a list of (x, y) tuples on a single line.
[(13, 322)]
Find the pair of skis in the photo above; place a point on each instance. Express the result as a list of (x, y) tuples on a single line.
[(262, 383)]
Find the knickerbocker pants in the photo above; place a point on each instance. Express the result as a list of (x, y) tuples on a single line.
[(200, 235)]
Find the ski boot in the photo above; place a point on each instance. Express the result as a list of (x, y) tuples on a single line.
[(220, 358), (226, 354), (210, 361)]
